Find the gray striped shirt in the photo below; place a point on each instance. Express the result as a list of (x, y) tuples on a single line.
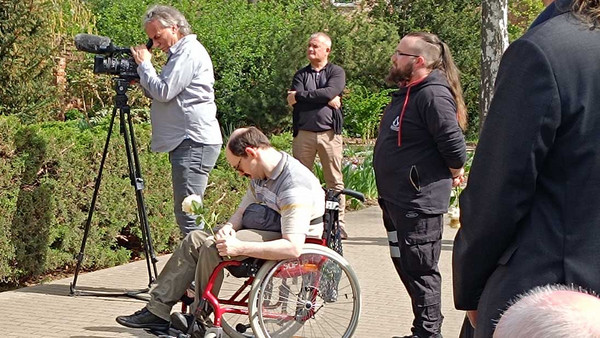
[(295, 193)]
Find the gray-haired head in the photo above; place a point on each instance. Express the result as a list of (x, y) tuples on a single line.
[(555, 311), (323, 37), (167, 16)]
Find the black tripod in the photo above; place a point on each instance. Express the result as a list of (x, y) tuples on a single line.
[(121, 86)]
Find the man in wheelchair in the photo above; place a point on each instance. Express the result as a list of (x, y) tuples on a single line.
[(283, 205)]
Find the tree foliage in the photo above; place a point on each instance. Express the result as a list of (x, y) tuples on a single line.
[(34, 34), (256, 48), (457, 23)]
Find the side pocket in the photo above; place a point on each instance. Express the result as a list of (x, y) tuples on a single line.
[(414, 178), (422, 243)]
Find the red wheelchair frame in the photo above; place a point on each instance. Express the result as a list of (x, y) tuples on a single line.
[(239, 301), (216, 302)]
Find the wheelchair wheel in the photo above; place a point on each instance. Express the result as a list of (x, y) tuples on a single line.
[(314, 295)]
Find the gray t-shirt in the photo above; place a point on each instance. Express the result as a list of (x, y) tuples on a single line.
[(183, 100), (295, 193)]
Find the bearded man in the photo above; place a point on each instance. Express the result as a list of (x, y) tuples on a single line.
[(418, 157)]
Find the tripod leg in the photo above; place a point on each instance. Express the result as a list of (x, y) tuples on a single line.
[(138, 183), (138, 176), (93, 203)]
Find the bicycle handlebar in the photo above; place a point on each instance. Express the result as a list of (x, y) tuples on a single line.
[(358, 195)]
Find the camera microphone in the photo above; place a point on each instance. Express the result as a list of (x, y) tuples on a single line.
[(113, 61), (97, 44)]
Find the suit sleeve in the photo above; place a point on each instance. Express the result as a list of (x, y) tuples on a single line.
[(334, 87), (518, 134)]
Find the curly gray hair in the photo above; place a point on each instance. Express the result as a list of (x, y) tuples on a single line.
[(167, 16)]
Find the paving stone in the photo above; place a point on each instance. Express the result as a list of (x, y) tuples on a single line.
[(49, 311)]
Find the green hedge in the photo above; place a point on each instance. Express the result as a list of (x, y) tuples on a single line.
[(363, 109), (47, 176)]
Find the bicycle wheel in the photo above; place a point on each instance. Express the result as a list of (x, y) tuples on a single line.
[(314, 295)]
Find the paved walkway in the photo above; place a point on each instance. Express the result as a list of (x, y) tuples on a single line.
[(48, 311)]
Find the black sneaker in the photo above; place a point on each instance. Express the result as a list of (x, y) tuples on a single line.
[(144, 319), (182, 321)]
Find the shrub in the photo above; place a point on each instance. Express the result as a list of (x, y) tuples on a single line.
[(256, 54), (32, 43), (520, 15), (362, 110), (283, 141), (48, 172), (458, 24), (53, 170)]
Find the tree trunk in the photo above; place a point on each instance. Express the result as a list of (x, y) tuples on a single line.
[(494, 40)]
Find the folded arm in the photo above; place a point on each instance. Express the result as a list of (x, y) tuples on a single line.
[(334, 87)]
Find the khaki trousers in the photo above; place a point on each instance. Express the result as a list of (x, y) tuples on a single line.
[(195, 259), (329, 147)]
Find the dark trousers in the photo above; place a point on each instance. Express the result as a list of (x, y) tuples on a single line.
[(415, 246), (191, 162)]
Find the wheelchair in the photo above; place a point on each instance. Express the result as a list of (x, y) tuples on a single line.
[(314, 295)]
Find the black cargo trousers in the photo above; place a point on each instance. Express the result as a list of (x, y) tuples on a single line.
[(415, 242)]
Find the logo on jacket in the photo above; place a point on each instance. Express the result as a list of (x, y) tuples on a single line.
[(395, 124), (411, 214)]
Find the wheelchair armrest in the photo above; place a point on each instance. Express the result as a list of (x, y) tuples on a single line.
[(318, 241), (248, 268)]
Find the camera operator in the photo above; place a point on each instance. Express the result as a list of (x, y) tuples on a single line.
[(183, 110)]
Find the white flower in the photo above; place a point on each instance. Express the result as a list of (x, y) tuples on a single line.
[(188, 203)]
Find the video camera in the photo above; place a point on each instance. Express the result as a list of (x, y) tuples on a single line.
[(113, 61)]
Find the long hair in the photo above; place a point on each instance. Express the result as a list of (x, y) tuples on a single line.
[(587, 11), (437, 53)]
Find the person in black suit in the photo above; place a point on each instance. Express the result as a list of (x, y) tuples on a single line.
[(530, 213)]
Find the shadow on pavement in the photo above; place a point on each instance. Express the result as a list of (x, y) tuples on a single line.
[(447, 244), (64, 290), (109, 330), (379, 241)]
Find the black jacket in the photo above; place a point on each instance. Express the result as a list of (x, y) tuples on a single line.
[(311, 99), (416, 174), (530, 214)]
